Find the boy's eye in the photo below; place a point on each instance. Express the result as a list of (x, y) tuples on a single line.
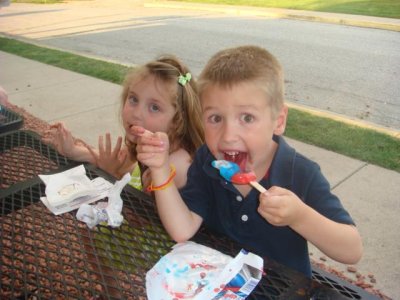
[(215, 119), (154, 108), (247, 118)]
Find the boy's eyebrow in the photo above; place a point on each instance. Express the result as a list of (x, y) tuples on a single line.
[(244, 106)]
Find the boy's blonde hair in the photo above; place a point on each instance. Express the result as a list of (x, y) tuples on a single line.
[(246, 64), (185, 130)]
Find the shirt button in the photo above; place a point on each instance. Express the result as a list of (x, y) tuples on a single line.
[(239, 198), (245, 218)]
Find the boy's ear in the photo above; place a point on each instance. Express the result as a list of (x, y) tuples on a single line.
[(281, 121)]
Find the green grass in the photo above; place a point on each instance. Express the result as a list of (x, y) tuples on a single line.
[(377, 8), (88, 66), (363, 144)]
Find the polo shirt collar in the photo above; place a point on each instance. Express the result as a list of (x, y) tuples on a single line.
[(281, 170)]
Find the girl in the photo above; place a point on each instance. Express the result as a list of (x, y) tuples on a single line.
[(160, 96)]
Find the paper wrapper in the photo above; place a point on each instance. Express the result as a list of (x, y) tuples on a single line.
[(193, 271), (66, 186), (68, 190)]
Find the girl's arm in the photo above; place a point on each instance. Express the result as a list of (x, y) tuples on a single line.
[(61, 138), (340, 242), (114, 160)]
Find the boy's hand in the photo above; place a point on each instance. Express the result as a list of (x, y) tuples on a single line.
[(280, 207), (152, 148)]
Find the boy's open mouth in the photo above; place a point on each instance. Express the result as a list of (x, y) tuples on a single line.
[(240, 158)]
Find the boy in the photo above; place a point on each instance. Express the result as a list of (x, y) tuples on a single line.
[(244, 117)]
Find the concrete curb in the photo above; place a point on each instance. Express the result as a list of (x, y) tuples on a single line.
[(343, 19)]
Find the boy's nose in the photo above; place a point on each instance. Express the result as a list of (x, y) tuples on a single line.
[(229, 133)]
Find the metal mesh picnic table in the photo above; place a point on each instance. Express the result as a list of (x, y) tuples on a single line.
[(44, 256)]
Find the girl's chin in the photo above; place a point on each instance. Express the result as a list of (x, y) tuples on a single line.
[(131, 138)]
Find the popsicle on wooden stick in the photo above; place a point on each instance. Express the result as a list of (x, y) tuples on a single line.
[(230, 171)]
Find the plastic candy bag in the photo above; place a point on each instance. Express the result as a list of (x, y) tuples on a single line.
[(194, 271), (109, 211)]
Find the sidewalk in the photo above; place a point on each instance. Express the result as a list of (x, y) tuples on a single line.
[(90, 106)]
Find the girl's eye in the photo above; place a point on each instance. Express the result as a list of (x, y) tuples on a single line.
[(154, 108), (132, 99), (247, 118), (215, 119)]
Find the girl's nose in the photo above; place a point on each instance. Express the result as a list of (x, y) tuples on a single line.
[(136, 112)]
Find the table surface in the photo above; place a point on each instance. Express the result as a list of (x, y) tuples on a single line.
[(44, 256)]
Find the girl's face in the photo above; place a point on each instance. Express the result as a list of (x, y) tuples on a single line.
[(239, 125), (148, 105)]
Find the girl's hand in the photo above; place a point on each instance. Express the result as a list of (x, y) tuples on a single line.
[(280, 207), (60, 138), (108, 158), (152, 148)]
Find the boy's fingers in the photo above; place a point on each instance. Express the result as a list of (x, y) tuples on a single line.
[(140, 131), (148, 148)]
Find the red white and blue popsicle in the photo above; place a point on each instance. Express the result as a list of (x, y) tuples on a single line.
[(230, 171)]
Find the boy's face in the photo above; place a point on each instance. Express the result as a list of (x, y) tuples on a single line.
[(148, 105), (239, 125)]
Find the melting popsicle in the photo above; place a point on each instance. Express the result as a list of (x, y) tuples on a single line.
[(231, 172)]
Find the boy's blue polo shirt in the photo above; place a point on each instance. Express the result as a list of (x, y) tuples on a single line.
[(225, 211)]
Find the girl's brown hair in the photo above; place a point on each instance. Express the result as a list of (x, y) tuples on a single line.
[(186, 129)]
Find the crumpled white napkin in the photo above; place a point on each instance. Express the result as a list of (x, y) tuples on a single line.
[(110, 211)]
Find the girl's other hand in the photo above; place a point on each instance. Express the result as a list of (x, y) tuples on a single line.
[(108, 158)]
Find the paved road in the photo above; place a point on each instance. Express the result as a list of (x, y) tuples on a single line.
[(347, 70)]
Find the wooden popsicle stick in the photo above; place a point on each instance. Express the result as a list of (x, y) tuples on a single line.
[(257, 186)]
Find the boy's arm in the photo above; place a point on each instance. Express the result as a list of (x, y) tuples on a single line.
[(178, 220), (341, 242)]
